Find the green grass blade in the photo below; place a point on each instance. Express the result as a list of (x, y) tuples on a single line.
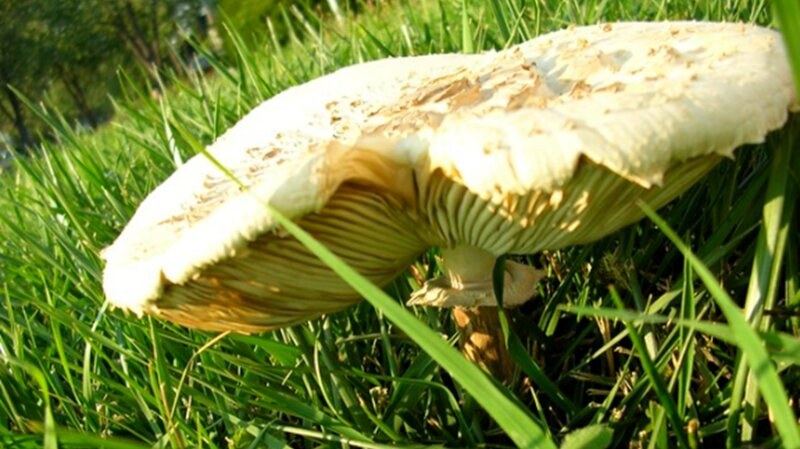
[(518, 351), (591, 437), (763, 286), (467, 44), (49, 429), (688, 313), (502, 20), (656, 381), (519, 425), (517, 422), (788, 14), (69, 438), (748, 340), (72, 193)]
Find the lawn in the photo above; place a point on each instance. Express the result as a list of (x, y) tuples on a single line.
[(646, 338)]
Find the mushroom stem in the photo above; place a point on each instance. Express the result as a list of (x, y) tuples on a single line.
[(468, 281), (468, 267), (482, 340), (467, 288)]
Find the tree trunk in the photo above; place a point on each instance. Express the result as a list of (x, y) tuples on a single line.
[(127, 27), (139, 53), (23, 133), (6, 112), (155, 47), (76, 91), (140, 38)]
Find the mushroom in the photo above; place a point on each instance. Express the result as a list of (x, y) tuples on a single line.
[(542, 146)]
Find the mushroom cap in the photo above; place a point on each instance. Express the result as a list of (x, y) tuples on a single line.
[(293, 152), (612, 114), (543, 145)]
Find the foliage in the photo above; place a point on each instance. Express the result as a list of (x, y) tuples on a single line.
[(70, 51), (659, 360), (18, 44)]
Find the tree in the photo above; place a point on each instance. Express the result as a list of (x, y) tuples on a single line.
[(78, 45), (145, 26), (69, 48), (21, 63)]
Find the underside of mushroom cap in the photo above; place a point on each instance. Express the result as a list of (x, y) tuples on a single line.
[(275, 281), (595, 203)]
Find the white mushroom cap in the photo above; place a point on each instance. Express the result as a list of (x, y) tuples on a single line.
[(632, 97), (292, 151), (609, 115), (544, 145)]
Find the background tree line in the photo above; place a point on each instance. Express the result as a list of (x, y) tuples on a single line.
[(69, 53)]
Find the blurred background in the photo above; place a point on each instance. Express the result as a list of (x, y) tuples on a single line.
[(74, 55)]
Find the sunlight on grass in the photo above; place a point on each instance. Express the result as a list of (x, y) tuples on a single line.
[(668, 359)]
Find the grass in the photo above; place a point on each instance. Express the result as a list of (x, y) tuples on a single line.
[(691, 347)]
